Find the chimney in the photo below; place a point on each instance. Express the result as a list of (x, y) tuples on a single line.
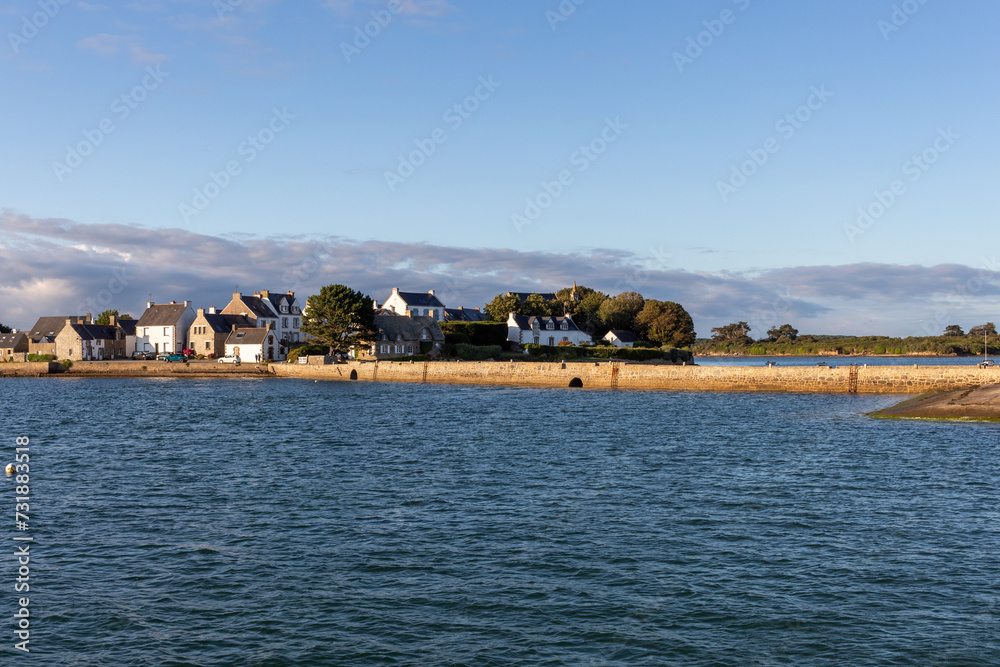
[(264, 293), (187, 303), (395, 291), (201, 312), (149, 304), (431, 292), (114, 321), (88, 319), (237, 296), (211, 311)]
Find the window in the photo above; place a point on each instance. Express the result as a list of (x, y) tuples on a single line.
[(434, 314), (536, 340), (295, 323), (426, 312), (424, 335), (208, 345), (409, 349), (284, 308), (284, 322), (166, 331), (550, 325), (564, 326), (240, 335)]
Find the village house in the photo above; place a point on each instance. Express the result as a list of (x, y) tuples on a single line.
[(251, 343), (14, 346), (546, 330), (164, 327), (278, 310), (90, 342), (461, 314), (402, 336), (210, 329), (620, 338), (127, 327), (422, 304), (42, 336)]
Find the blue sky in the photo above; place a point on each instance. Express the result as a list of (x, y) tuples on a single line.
[(719, 154)]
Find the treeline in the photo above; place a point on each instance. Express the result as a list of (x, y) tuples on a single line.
[(596, 313), (734, 339)]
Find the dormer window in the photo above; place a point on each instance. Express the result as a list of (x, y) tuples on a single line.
[(564, 326), (550, 325), (424, 335)]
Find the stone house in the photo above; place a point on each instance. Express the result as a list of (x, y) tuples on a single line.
[(14, 346), (620, 338), (400, 336), (164, 327), (90, 342), (42, 336), (279, 311), (546, 330), (210, 329), (423, 304)]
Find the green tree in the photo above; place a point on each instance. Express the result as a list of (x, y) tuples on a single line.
[(4, 328), (105, 316), (620, 311), (340, 318), (732, 333), (983, 330), (536, 305), (666, 323), (786, 333), (500, 308), (953, 330)]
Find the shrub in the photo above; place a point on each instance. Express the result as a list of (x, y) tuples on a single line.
[(41, 357), (880, 350), (479, 333), (143, 367), (565, 343), (642, 343), (758, 350), (67, 363), (293, 355), (426, 346), (456, 338), (477, 352)]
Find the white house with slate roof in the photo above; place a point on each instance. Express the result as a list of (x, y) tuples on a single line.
[(399, 336), (278, 310), (547, 330), (620, 338), (14, 346), (422, 304), (251, 344), (164, 327)]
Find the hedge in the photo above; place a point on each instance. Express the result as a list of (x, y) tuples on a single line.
[(477, 352), (41, 357), (456, 338), (479, 333)]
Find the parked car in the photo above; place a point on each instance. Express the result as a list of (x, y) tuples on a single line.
[(229, 359), (139, 354), (171, 356), (986, 363)]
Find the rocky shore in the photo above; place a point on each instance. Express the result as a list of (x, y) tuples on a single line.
[(971, 404)]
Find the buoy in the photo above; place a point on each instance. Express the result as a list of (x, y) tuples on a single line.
[(9, 469)]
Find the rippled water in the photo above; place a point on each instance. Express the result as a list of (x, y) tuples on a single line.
[(838, 361), (284, 522)]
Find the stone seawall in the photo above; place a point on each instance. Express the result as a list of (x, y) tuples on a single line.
[(605, 375), (130, 369)]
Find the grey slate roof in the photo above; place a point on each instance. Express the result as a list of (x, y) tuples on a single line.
[(422, 299), (525, 323), (464, 315), (224, 323), (276, 299), (128, 326), (161, 315), (249, 336), (95, 331), (258, 307), (50, 326), (400, 327), (11, 340), (625, 336)]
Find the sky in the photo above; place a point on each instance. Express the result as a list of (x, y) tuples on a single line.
[(832, 165)]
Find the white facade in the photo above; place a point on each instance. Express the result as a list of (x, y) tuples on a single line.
[(544, 330), (158, 334), (415, 304)]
